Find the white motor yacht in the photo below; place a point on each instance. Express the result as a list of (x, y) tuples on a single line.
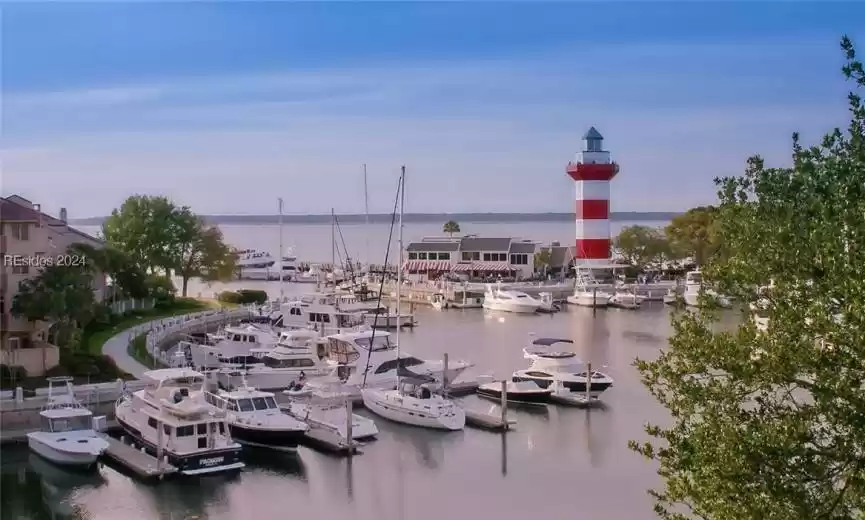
[(588, 292), (385, 318), (172, 418), (327, 313), (325, 407), (497, 299), (67, 435), (439, 301), (255, 419), (555, 365), (693, 288), (236, 347), (297, 353)]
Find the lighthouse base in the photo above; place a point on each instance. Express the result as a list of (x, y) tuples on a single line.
[(599, 263)]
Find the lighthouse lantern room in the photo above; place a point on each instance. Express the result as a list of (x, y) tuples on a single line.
[(592, 172)]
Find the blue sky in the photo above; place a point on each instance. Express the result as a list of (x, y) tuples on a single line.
[(226, 106)]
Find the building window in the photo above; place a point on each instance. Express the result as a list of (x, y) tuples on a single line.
[(421, 256), (476, 256), (432, 256), (467, 256), (20, 269), (412, 256), (520, 259), (21, 231), (488, 257), (444, 256)]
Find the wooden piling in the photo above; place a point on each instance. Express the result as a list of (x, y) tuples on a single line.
[(504, 405), (349, 426), (589, 382), (445, 375), (594, 301)]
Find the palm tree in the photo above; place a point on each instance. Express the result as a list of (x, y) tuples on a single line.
[(451, 227)]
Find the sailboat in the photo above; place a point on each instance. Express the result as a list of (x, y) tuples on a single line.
[(414, 401)]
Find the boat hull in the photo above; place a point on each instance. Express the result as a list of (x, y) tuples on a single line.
[(390, 321), (75, 458), (278, 439), (537, 397), (198, 463), (587, 299), (571, 386), (391, 410), (511, 307), (334, 418)]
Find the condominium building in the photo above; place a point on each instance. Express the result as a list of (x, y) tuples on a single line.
[(27, 234)]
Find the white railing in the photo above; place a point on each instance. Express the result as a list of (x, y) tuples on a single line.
[(125, 306), (168, 329), (97, 393)]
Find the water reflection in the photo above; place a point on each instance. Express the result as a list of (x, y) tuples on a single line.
[(504, 437), (276, 462)]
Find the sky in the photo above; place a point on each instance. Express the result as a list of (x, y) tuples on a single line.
[(227, 106)]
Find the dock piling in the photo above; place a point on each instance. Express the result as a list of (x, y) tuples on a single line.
[(349, 424), (445, 375), (594, 301), (158, 444), (588, 382), (504, 405)]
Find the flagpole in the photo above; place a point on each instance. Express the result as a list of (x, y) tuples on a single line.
[(281, 256)]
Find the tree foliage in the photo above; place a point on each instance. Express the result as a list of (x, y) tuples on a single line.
[(642, 246), (127, 279), (544, 259), (158, 235), (694, 234), (62, 295), (770, 425), (450, 227)]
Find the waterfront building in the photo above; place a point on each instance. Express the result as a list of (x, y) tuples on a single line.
[(470, 256), (28, 233), (592, 170)]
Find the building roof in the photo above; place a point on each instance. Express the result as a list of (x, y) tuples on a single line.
[(526, 247), (592, 133), (432, 246), (485, 244), (11, 211), (561, 256)]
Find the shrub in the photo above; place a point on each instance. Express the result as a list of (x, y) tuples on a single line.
[(252, 296), (229, 297), (10, 375)]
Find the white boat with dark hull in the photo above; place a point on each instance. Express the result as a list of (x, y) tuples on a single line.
[(517, 392), (171, 418), (560, 369), (297, 353), (255, 419), (67, 435)]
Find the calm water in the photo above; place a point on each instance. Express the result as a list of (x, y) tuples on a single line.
[(368, 243), (567, 463)]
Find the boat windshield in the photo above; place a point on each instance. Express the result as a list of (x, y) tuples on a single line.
[(375, 344), (66, 424), (256, 403)]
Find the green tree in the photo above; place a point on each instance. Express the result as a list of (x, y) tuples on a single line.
[(60, 295), (149, 230), (642, 246), (769, 425), (694, 234), (543, 260), (205, 255), (450, 227), (127, 279)]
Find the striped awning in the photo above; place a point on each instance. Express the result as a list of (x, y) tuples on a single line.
[(427, 265), (497, 267)]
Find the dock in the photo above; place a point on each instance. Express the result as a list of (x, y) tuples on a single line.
[(139, 462), (575, 399), (327, 440)]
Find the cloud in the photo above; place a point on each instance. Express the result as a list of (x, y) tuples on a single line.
[(487, 135)]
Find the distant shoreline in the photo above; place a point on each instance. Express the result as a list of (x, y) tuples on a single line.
[(379, 218)]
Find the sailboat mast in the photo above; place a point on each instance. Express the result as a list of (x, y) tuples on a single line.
[(399, 266), (281, 256), (366, 210), (333, 245)]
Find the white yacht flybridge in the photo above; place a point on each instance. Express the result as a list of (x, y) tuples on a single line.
[(588, 291), (414, 402)]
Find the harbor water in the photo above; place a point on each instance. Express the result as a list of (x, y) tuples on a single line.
[(563, 463)]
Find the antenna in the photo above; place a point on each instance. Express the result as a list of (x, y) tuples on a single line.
[(281, 256)]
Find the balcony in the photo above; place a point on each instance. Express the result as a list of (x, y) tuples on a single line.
[(36, 360), (592, 171)]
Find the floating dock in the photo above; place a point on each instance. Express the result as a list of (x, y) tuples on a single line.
[(138, 461), (575, 399), (327, 440), (488, 421)]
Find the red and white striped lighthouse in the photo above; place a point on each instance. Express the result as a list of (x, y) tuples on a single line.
[(592, 172)]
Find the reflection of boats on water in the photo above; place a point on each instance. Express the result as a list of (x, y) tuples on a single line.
[(60, 486), (288, 464)]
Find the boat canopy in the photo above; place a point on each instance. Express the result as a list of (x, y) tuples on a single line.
[(550, 341)]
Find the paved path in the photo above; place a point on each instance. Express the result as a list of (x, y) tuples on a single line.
[(116, 349)]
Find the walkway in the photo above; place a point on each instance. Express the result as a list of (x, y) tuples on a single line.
[(117, 348)]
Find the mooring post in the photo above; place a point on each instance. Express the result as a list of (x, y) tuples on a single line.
[(589, 382), (445, 375), (349, 425), (158, 444), (504, 405), (594, 301)]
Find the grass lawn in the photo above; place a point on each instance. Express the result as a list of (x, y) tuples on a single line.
[(97, 338)]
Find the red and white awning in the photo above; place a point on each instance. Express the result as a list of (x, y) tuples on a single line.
[(427, 265), (497, 267)]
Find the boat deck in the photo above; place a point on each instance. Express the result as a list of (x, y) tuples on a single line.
[(139, 462)]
